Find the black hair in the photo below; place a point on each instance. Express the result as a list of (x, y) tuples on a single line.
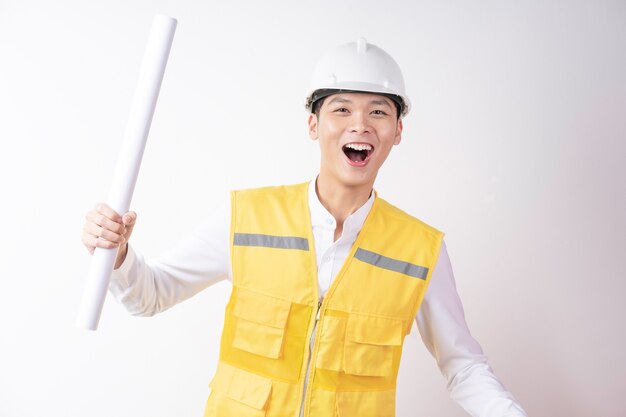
[(319, 97)]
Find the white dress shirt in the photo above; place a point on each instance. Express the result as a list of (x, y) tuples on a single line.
[(202, 259)]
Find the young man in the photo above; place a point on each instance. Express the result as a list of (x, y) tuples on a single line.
[(327, 277)]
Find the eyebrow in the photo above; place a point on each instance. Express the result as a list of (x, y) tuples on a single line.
[(345, 100), (381, 102), (339, 100)]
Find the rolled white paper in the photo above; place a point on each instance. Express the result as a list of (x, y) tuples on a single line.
[(129, 161)]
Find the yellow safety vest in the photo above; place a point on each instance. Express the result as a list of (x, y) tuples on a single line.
[(268, 365)]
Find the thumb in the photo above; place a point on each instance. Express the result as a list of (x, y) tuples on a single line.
[(129, 218)]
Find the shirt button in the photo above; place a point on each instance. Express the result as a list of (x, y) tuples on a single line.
[(330, 221), (326, 259)]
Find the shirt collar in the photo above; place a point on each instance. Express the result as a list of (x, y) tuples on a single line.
[(321, 218)]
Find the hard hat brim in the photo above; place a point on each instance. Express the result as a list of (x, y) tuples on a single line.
[(401, 102)]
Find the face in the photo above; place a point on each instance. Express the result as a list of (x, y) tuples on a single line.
[(356, 132)]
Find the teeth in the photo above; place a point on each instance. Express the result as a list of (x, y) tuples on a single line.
[(359, 146)]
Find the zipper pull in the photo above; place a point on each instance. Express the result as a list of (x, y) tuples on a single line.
[(319, 310)]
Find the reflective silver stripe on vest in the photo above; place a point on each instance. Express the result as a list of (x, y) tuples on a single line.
[(391, 264), (269, 241)]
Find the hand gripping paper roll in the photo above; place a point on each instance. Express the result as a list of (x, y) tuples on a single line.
[(129, 161)]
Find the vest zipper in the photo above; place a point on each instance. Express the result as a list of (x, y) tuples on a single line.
[(308, 364)]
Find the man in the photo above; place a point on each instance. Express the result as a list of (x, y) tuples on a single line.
[(327, 277)]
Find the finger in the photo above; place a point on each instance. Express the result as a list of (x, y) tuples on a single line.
[(102, 220), (100, 232), (88, 242), (108, 212), (92, 242)]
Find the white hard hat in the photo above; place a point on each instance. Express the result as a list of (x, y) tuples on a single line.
[(358, 67)]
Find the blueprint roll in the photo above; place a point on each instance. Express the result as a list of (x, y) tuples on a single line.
[(128, 163)]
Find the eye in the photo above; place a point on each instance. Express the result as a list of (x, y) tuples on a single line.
[(341, 110), (379, 112)]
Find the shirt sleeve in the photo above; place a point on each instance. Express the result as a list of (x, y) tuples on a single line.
[(146, 288), (444, 331)]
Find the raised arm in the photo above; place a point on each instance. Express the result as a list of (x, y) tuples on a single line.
[(148, 287)]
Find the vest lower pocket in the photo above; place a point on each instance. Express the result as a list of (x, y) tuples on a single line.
[(366, 404), (261, 322), (235, 392)]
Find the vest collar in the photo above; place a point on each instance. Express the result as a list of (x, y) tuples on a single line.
[(321, 218)]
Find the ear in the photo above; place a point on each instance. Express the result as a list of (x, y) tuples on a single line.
[(313, 126), (398, 137)]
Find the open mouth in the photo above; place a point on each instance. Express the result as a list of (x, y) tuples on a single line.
[(358, 153)]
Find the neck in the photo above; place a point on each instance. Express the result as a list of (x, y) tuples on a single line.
[(341, 200)]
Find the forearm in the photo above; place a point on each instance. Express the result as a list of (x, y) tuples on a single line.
[(481, 394), (198, 261), (121, 255), (133, 284)]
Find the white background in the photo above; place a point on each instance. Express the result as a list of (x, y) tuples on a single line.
[(515, 147)]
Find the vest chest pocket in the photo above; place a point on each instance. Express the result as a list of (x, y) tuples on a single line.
[(371, 343), (261, 321), (235, 392)]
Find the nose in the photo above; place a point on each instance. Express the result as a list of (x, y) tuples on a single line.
[(359, 123)]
